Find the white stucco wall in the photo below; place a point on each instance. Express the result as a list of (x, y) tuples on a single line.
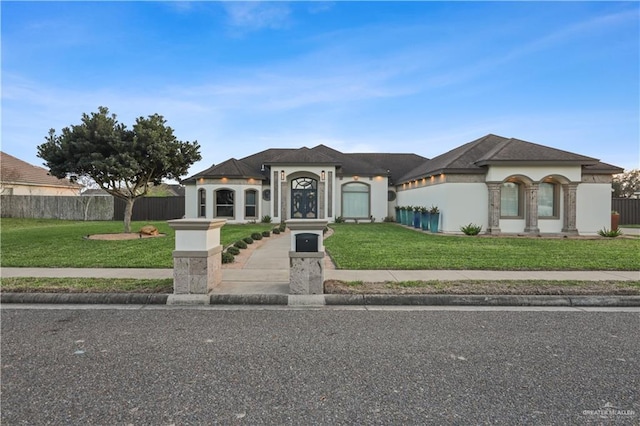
[(190, 202), (593, 207), (459, 203), (18, 189), (535, 173)]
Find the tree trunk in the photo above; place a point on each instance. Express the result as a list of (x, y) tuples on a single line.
[(128, 211)]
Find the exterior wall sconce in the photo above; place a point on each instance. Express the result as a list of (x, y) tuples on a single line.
[(356, 178), (282, 175), (322, 176)]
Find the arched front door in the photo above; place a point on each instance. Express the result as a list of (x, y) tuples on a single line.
[(304, 198)]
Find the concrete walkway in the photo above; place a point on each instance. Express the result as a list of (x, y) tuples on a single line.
[(266, 271)]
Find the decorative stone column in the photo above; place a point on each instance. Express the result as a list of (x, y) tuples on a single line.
[(570, 195), (306, 268), (494, 207), (197, 260), (531, 208)]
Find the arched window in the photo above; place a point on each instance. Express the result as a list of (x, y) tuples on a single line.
[(511, 200), (250, 209), (548, 200), (202, 203), (356, 200), (224, 203)]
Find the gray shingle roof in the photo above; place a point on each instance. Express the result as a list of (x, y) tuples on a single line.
[(472, 157), (231, 168), (491, 149)]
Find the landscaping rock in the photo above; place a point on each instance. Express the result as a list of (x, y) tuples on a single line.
[(149, 230)]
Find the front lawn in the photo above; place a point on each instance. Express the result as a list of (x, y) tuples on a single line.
[(60, 244), (391, 246)]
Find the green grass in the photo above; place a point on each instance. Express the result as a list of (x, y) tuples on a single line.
[(85, 285), (390, 246), (60, 244)]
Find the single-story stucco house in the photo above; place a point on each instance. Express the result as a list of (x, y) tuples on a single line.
[(506, 185), (18, 177)]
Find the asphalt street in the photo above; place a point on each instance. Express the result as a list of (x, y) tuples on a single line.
[(285, 366)]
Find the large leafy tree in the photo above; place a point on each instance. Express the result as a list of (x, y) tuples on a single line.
[(123, 162), (625, 185)]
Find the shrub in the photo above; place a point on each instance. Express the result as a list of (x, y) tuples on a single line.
[(240, 244), (276, 230), (434, 209), (248, 240), (389, 219), (256, 236), (339, 219), (283, 226), (266, 219), (266, 233), (471, 229), (233, 250), (609, 233), (227, 257)]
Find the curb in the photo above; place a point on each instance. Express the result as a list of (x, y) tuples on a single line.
[(330, 299), (480, 300), (86, 298)]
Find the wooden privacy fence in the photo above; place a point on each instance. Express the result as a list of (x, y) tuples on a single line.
[(151, 208), (629, 209)]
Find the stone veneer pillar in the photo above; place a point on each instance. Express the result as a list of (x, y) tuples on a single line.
[(306, 269), (570, 195), (494, 207), (197, 260), (531, 208)]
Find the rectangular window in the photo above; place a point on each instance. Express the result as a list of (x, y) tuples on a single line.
[(224, 203), (355, 200), (547, 200), (510, 200), (250, 204), (202, 203)]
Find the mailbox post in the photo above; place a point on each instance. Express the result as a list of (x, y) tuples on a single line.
[(197, 260), (306, 257)]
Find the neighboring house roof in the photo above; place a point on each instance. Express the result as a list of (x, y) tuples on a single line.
[(17, 172), (177, 189), (231, 168), (95, 192), (473, 157)]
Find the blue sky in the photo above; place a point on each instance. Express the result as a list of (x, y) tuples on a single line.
[(421, 77)]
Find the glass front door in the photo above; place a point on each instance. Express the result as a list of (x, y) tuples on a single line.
[(304, 198)]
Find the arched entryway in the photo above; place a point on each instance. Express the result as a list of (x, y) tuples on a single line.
[(304, 198)]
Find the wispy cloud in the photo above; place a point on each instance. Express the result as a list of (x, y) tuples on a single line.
[(255, 16)]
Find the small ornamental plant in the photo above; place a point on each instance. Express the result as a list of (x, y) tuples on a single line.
[(248, 240), (266, 233), (471, 229), (434, 209), (233, 250), (227, 257), (609, 233), (256, 236), (240, 244), (276, 231), (266, 219)]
